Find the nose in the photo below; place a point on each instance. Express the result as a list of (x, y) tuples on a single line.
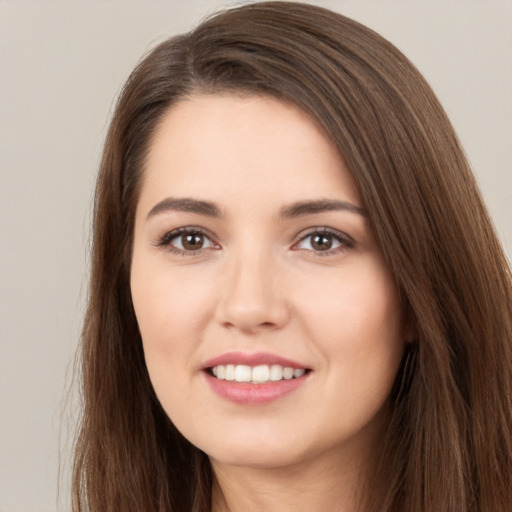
[(252, 298)]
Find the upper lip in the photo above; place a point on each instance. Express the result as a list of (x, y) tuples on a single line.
[(258, 358)]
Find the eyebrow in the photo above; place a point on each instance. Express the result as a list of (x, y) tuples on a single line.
[(298, 209), (199, 207), (302, 208)]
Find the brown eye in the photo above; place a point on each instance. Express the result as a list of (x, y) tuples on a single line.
[(321, 242), (187, 241), (192, 242), (324, 240)]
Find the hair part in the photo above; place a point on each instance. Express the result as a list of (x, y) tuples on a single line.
[(449, 442)]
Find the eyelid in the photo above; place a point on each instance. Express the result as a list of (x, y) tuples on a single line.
[(165, 240), (346, 241)]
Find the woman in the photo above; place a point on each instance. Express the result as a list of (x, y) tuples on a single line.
[(297, 298)]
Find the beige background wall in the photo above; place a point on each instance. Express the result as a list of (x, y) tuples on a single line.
[(61, 65)]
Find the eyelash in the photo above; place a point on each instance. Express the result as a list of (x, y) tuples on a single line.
[(166, 240), (345, 241)]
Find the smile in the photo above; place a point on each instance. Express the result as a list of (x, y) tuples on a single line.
[(254, 379), (256, 374)]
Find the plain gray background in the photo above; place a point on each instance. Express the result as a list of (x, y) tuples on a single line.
[(61, 65)]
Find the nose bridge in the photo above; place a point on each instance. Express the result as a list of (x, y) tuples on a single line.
[(251, 297)]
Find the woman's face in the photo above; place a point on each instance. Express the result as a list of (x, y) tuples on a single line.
[(271, 326)]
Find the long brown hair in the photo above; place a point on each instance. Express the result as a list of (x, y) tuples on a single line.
[(449, 442)]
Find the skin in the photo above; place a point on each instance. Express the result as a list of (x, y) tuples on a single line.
[(258, 284)]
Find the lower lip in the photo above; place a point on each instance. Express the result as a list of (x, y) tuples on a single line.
[(254, 394)]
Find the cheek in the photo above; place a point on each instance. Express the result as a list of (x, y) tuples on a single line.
[(167, 304), (165, 316), (172, 307), (354, 305), (356, 320)]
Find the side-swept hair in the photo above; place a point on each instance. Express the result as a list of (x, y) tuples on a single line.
[(448, 447)]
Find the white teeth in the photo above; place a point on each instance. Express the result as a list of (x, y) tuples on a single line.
[(276, 372), (230, 372), (243, 373), (260, 373), (257, 374), (221, 372), (288, 373)]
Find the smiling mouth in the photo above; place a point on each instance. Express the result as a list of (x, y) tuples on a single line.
[(255, 374)]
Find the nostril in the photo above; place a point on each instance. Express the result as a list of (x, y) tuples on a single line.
[(249, 322)]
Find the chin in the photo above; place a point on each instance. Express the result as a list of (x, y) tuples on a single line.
[(257, 459), (254, 452)]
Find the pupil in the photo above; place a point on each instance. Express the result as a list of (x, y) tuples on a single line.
[(192, 242), (322, 242)]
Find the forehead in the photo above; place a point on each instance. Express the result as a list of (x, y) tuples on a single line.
[(224, 146)]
